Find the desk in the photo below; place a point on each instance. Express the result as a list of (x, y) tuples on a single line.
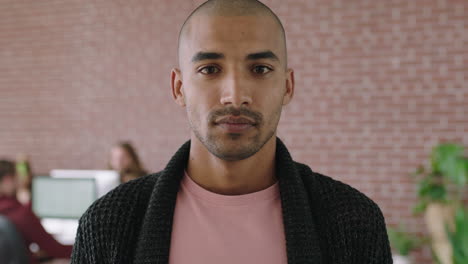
[(63, 230)]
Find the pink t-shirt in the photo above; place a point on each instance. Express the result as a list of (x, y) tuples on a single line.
[(210, 228)]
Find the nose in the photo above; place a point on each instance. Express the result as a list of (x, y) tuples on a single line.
[(235, 91)]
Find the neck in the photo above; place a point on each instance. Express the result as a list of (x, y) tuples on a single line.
[(232, 177)]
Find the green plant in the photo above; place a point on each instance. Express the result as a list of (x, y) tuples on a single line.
[(459, 237), (445, 181), (402, 241), (447, 167), (448, 160)]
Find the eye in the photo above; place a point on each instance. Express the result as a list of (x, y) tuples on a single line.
[(208, 70), (261, 69)]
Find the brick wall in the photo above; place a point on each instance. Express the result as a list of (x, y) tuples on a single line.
[(378, 83)]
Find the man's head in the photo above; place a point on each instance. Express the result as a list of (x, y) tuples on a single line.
[(232, 8), (233, 77), (8, 183)]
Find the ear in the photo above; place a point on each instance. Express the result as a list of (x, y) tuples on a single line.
[(289, 93), (176, 85)]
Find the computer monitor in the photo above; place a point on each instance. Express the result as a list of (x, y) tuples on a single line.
[(106, 180), (62, 198)]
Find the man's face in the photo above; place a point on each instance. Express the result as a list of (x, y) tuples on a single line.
[(233, 82)]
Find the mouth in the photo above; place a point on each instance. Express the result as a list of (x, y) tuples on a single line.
[(235, 124)]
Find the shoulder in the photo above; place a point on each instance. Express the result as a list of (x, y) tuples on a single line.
[(125, 201), (339, 200), (112, 223), (117, 214), (351, 225), (14, 210)]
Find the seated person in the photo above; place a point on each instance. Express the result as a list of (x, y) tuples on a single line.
[(128, 175), (124, 159), (27, 223)]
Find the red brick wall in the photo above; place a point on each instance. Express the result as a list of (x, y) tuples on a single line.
[(378, 83)]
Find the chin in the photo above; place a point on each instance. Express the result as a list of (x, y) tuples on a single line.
[(233, 147), (233, 155)]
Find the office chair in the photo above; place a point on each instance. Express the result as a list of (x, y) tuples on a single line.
[(12, 247)]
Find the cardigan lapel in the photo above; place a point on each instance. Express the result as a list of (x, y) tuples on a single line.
[(302, 241), (155, 235)]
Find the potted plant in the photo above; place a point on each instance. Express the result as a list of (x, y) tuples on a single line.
[(440, 192), (402, 243), (459, 237)]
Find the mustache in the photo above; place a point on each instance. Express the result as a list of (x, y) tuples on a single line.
[(257, 117)]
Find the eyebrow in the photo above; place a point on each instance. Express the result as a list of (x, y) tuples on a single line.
[(207, 56), (262, 55), (199, 56)]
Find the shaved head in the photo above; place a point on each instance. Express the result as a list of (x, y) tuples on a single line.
[(230, 8)]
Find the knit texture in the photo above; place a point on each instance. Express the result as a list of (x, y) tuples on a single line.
[(325, 221)]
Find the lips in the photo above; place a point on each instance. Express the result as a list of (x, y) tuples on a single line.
[(235, 120), (234, 124)]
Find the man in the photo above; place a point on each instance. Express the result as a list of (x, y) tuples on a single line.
[(232, 194), (26, 222)]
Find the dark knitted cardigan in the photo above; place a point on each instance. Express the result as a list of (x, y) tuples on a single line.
[(325, 221)]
